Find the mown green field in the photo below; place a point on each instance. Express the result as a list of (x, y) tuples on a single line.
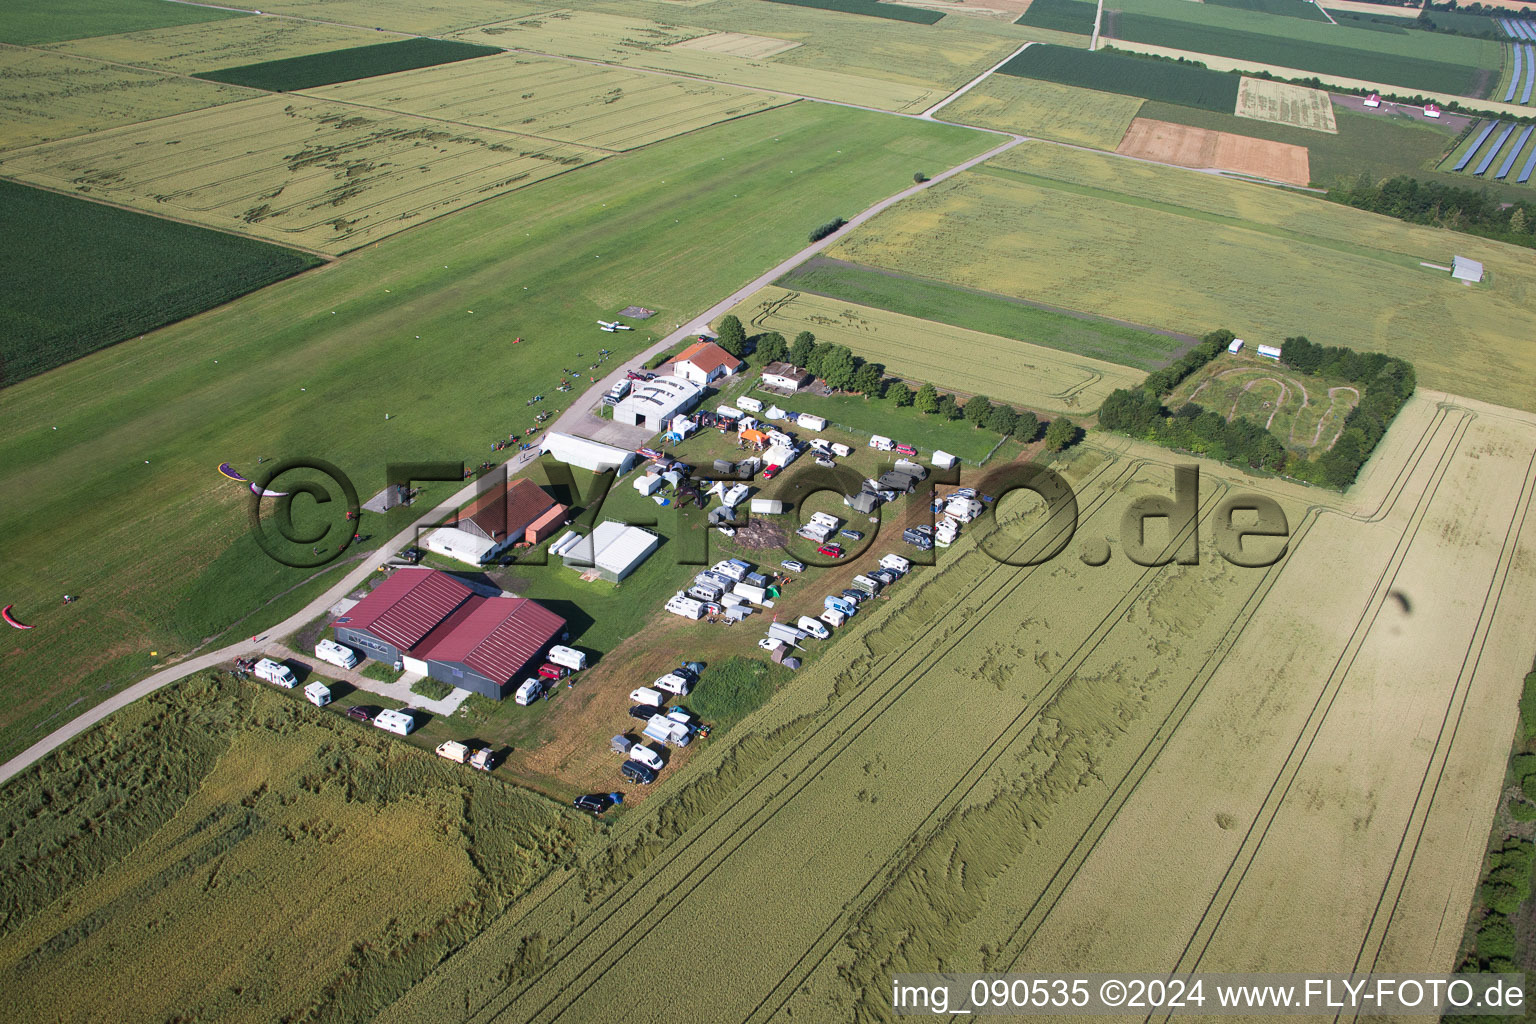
[(1062, 15), (96, 275), (1151, 79), (685, 222), (221, 850), (1043, 222), (872, 9), (30, 22), (987, 312), (313, 70), (1286, 8)]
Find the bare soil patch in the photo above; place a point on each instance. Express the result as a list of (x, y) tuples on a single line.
[(1186, 146)]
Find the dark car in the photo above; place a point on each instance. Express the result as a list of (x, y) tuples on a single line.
[(637, 772), (850, 534), (412, 555), (506, 560), (644, 711), (856, 596), (885, 576), (597, 803), (360, 713)]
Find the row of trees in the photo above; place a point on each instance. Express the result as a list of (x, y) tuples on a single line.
[(1474, 211), (841, 369)]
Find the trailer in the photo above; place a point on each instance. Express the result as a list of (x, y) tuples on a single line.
[(276, 673), (882, 444), (757, 595), (318, 694), (895, 563), (750, 404), (453, 750), (687, 607), (786, 634), (401, 723), (647, 695)]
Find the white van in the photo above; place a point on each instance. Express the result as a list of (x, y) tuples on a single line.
[(646, 695), (318, 694), (276, 673), (883, 444), (399, 722), (673, 683), (333, 653), (529, 691), (815, 628), (895, 563)]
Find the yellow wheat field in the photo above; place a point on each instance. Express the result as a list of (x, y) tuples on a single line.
[(563, 100), (210, 46), (738, 44), (299, 171)]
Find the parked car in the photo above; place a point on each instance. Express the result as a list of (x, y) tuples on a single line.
[(850, 534), (885, 576), (858, 597), (965, 492), (792, 565), (768, 643), (551, 671), (814, 627), (637, 772), (596, 803), (825, 461), (646, 756), (771, 471), (360, 713), (411, 554), (831, 550), (906, 449), (643, 712)]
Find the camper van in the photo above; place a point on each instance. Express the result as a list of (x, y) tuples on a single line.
[(882, 444), (842, 451), (687, 607), (817, 629), (673, 683), (399, 722), (333, 653), (896, 563), (568, 657), (529, 691), (276, 673), (317, 694)]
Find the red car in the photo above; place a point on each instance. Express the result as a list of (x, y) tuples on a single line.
[(771, 471), (831, 550), (906, 449), (550, 671)]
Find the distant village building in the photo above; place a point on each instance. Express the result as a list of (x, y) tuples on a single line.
[(1430, 110), (1373, 100)]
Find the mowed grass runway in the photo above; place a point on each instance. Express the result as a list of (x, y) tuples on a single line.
[(1183, 251), (311, 367)]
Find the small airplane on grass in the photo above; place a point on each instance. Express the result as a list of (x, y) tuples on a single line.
[(613, 325)]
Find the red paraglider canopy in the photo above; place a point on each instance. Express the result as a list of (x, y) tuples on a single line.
[(11, 619)]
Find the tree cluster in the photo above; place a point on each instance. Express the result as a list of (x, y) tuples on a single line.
[(1473, 211), (826, 229), (1385, 384)]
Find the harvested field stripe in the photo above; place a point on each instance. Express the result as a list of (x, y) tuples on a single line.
[(1514, 152), (1205, 930), (1445, 740), (1493, 151), (1514, 78), (1476, 144)]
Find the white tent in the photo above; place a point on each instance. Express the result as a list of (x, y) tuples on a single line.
[(587, 454), (461, 545), (614, 549), (648, 485), (943, 460)]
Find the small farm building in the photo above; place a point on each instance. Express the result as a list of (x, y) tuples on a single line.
[(613, 549), (704, 362), (1430, 110), (593, 456), (1373, 100), (430, 623), (656, 402), (1463, 269), (785, 377)]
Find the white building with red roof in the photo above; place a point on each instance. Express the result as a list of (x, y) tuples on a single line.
[(432, 624), (704, 362)]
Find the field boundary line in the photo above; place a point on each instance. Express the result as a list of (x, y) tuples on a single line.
[(1231, 883), (927, 115)]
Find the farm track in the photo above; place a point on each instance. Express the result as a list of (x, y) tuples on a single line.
[(1221, 900), (865, 709)]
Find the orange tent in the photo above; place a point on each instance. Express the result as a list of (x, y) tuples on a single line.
[(753, 436)]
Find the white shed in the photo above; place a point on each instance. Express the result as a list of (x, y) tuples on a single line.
[(614, 549), (1463, 269), (648, 485), (461, 545)]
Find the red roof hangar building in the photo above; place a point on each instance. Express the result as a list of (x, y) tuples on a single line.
[(430, 623)]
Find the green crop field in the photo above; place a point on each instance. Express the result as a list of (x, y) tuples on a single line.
[(106, 274), (1285, 8), (1061, 15), (30, 22), (1150, 79), (222, 830), (1044, 222), (871, 8), (46, 96), (1045, 110), (1005, 369), (290, 74), (556, 99), (1046, 775), (986, 312), (302, 172), (682, 227), (424, 17), (188, 49)]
